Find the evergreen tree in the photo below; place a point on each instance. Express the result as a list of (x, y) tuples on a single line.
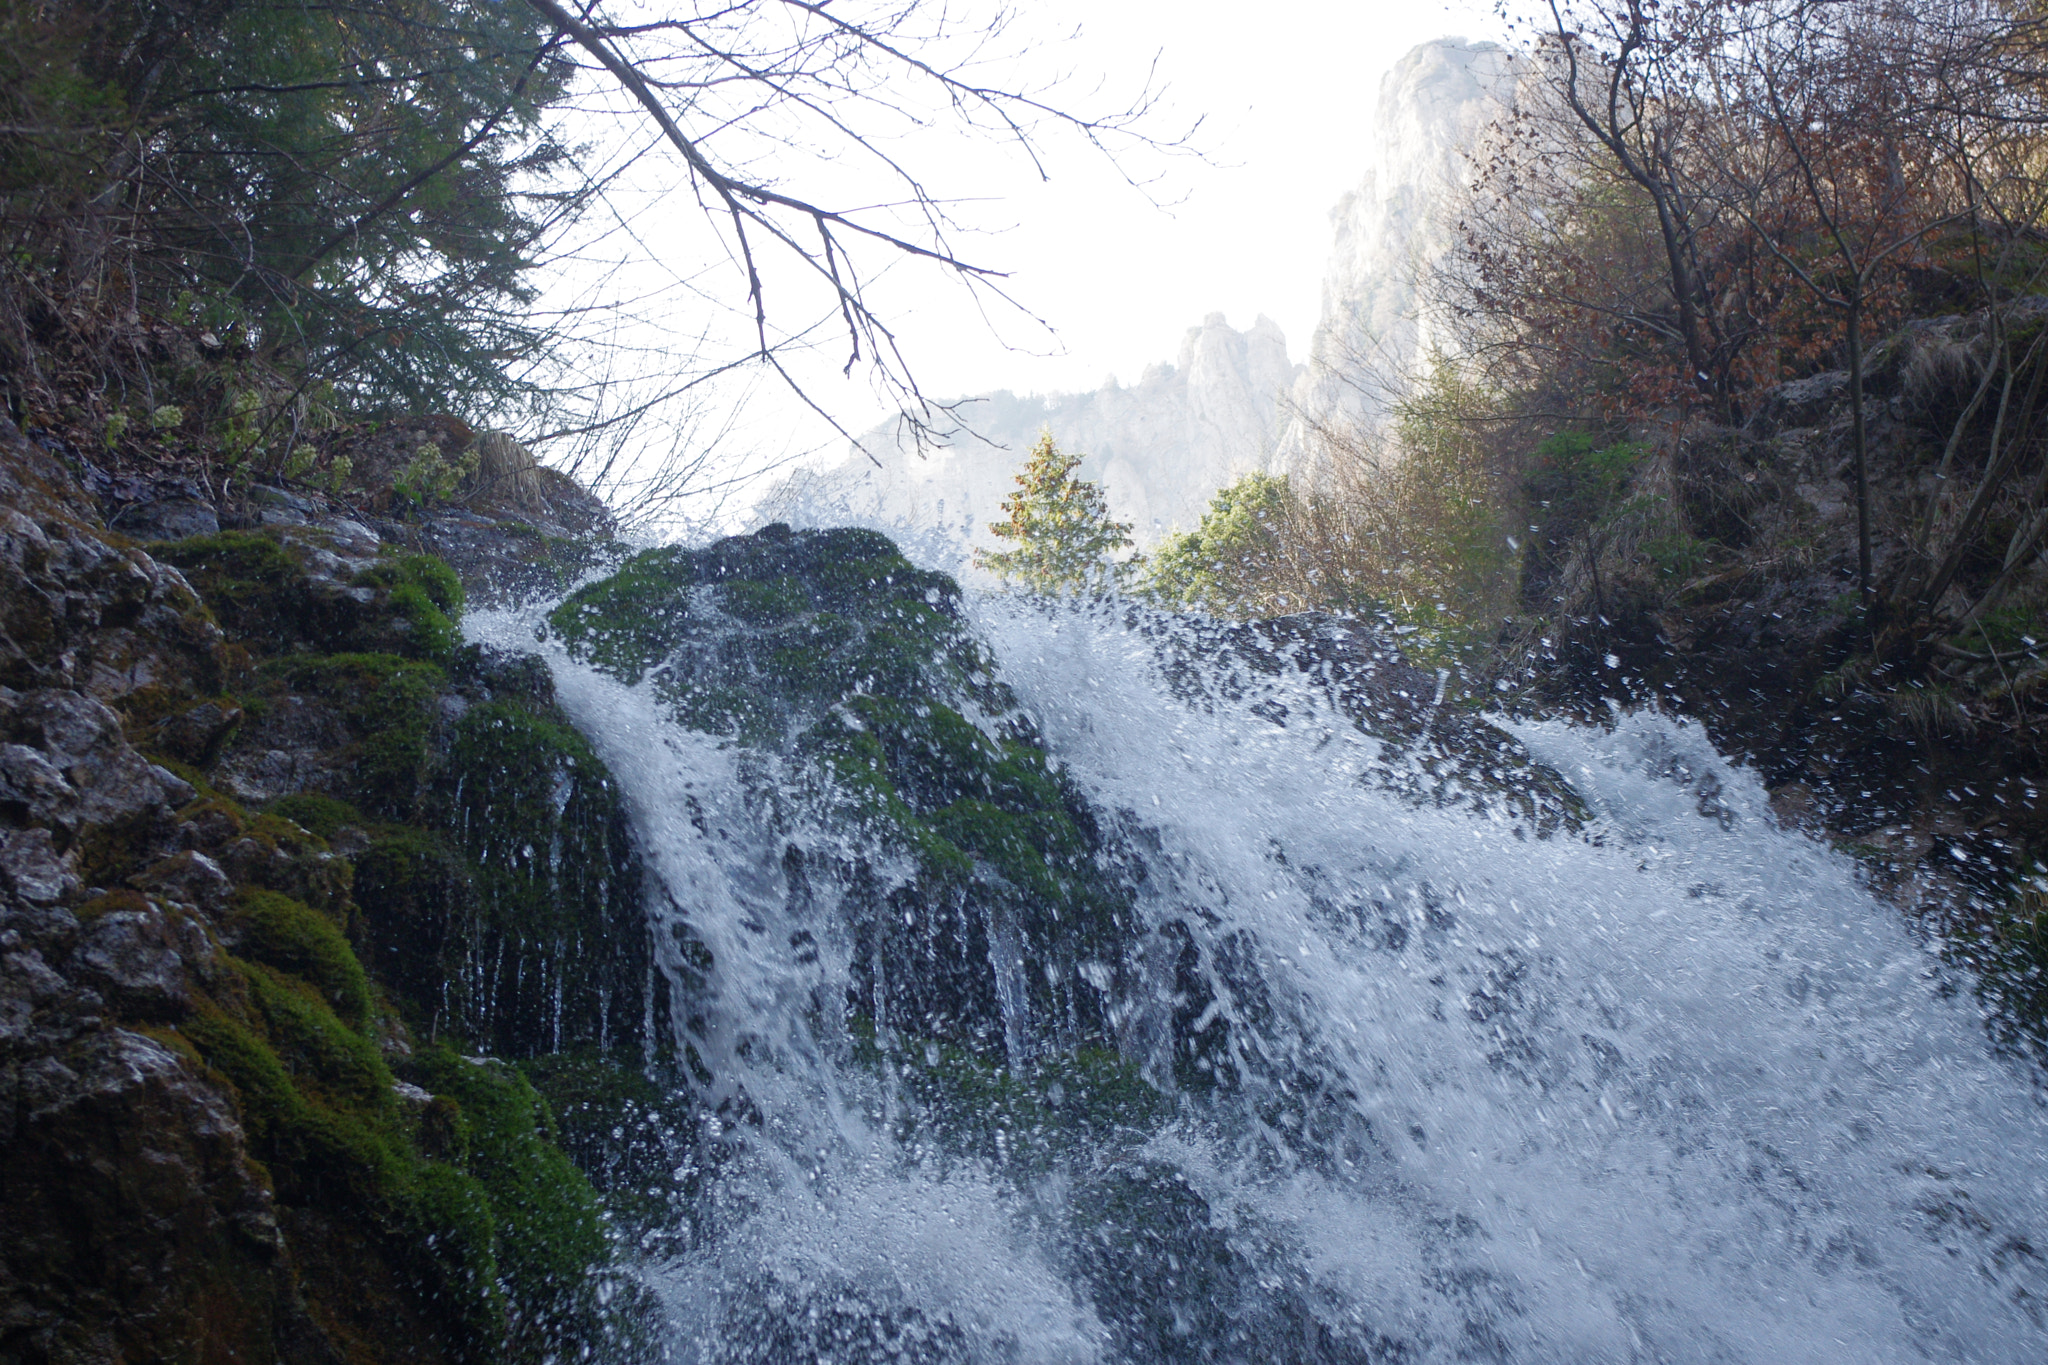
[(1063, 534), (1232, 563)]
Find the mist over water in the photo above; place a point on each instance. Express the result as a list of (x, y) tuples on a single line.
[(1675, 1088)]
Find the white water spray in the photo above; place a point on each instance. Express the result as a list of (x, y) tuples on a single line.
[(1676, 1089)]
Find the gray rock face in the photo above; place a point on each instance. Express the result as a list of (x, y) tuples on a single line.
[(78, 611), (170, 519), (1394, 228), (133, 1215)]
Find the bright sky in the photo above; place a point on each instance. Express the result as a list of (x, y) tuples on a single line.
[(1286, 93)]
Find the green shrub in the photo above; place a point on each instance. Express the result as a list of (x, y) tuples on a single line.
[(319, 815)]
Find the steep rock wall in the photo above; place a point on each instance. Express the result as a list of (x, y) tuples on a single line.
[(1393, 229), (278, 860)]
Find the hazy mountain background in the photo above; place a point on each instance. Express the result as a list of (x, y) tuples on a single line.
[(1231, 400)]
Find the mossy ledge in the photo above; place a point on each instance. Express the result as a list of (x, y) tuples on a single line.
[(832, 649), (316, 888)]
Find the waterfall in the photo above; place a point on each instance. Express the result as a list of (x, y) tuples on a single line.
[(1373, 1075)]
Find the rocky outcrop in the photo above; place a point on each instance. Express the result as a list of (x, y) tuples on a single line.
[(1395, 227), (273, 928), (971, 865)]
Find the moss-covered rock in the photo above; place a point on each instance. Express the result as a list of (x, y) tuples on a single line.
[(253, 865), (283, 590), (632, 1131), (293, 937), (989, 893), (465, 1198), (556, 956)]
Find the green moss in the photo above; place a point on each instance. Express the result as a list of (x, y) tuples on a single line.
[(632, 1136), (246, 578), (121, 899), (721, 710), (557, 951), (356, 677), (632, 619), (1033, 1119), (413, 891), (551, 1245), (434, 635), (1026, 849), (281, 832), (429, 573), (936, 757), (333, 1062), (388, 702), (764, 604), (491, 1220), (320, 815), (295, 938), (425, 592), (831, 647)]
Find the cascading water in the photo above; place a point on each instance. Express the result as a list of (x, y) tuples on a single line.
[(1368, 1078)]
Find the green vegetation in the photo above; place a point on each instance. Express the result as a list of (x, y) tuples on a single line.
[(256, 585), (293, 937), (1231, 560), (1065, 539), (630, 1130), (1029, 1122), (831, 648), (328, 237), (461, 879), (470, 1194)]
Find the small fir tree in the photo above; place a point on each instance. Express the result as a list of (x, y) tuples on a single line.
[(1063, 536)]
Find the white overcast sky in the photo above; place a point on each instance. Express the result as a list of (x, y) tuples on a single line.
[(1286, 89)]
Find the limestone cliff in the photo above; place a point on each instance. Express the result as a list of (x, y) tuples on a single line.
[(1393, 228), (1159, 447)]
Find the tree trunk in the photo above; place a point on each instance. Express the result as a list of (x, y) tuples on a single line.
[(1860, 442)]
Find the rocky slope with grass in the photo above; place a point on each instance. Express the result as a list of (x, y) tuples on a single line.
[(306, 912), (1712, 570)]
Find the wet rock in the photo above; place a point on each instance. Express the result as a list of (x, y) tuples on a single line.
[(78, 610), (81, 739), (1436, 750), (137, 1222), (167, 519), (276, 507), (31, 787), (1801, 403), (136, 960), (189, 878), (26, 982), (194, 735), (986, 873), (32, 869), (136, 1227)]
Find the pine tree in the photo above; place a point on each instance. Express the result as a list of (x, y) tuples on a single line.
[(1064, 536)]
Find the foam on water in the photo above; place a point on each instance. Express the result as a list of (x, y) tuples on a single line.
[(1678, 1089)]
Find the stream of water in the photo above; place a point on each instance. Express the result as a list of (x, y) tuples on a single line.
[(1674, 1088)]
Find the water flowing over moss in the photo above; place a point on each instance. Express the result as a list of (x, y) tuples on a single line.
[(555, 956), (832, 649)]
